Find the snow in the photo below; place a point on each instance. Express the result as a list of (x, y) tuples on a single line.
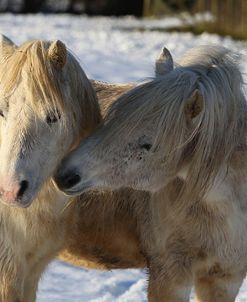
[(63, 283), (108, 50)]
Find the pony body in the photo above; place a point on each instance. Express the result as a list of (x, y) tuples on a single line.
[(58, 107), (181, 136), (44, 95)]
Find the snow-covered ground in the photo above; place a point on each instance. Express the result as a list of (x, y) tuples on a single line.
[(109, 52)]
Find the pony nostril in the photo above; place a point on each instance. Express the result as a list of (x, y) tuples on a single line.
[(68, 181), (23, 188), (72, 180)]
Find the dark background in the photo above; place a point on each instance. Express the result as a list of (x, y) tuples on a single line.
[(93, 7), (229, 16)]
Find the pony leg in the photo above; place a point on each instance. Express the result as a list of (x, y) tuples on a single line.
[(165, 292), (168, 284), (12, 284), (30, 290), (34, 273), (215, 289), (10, 293), (32, 281)]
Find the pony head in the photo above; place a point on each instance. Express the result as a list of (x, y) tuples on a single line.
[(47, 105), (186, 122)]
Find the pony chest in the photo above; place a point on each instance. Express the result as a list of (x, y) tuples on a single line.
[(41, 228), (44, 240), (220, 231), (36, 235)]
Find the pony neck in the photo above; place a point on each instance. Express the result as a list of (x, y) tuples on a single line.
[(51, 197), (230, 183)]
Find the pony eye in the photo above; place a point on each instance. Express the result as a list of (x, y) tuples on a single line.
[(1, 113), (53, 118), (146, 146)]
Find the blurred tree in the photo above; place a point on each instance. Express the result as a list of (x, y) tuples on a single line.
[(76, 6), (13, 5), (32, 6), (24, 6), (95, 7), (114, 7), (127, 7), (177, 5), (3, 5)]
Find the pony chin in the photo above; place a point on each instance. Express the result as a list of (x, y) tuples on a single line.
[(25, 203)]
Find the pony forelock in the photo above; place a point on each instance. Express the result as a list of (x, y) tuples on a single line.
[(65, 91)]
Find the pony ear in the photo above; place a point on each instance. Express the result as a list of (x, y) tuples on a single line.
[(57, 53), (164, 63), (194, 105), (7, 47)]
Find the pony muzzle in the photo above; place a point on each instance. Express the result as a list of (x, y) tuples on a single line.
[(68, 180), (14, 195)]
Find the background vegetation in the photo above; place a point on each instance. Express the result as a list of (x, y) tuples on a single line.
[(229, 15)]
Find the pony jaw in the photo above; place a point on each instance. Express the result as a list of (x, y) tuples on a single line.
[(82, 187), (18, 203)]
